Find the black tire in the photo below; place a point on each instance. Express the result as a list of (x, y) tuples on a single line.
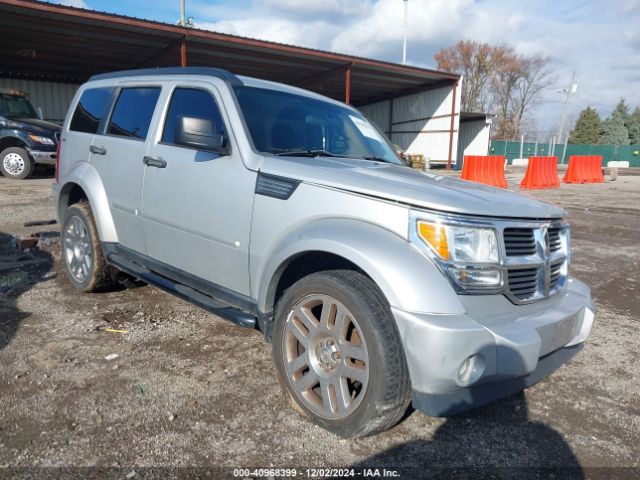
[(388, 391), (26, 167), (100, 276)]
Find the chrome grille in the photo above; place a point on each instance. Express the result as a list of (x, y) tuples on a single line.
[(537, 260), (555, 273), (523, 282), (555, 240), (519, 241)]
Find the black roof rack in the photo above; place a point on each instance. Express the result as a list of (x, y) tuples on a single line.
[(228, 77)]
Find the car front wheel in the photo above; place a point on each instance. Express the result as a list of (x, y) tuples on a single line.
[(338, 354), (15, 163)]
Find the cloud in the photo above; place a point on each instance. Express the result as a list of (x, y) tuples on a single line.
[(379, 34), (274, 29), (315, 8), (74, 3), (599, 39)]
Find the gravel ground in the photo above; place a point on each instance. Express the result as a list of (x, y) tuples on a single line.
[(188, 389)]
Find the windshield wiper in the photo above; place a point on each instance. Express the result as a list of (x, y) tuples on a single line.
[(373, 158), (325, 153), (306, 153)]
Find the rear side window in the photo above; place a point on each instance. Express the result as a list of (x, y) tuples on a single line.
[(133, 111), (91, 109), (191, 102)]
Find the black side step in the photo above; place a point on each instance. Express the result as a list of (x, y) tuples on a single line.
[(183, 291)]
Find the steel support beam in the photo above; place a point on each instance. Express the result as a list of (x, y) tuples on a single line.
[(347, 85), (183, 52), (453, 120)]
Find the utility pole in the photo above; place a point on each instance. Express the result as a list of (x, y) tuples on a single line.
[(573, 88), (404, 31), (182, 9)]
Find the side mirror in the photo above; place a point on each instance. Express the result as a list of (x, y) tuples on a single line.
[(40, 114), (199, 133)]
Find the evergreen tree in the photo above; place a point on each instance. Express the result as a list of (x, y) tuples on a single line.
[(587, 129), (634, 127), (614, 131), (624, 111)]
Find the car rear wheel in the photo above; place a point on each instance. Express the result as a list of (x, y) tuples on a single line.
[(81, 251), (338, 354), (15, 163)]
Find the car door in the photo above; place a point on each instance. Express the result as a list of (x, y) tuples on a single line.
[(197, 204), (89, 113), (118, 152)]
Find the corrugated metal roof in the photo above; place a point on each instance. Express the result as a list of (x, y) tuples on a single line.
[(45, 40)]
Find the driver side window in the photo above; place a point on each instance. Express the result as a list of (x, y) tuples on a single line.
[(191, 102)]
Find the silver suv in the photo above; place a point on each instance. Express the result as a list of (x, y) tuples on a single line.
[(279, 209)]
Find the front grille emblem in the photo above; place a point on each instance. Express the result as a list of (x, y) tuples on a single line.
[(545, 236), (537, 262)]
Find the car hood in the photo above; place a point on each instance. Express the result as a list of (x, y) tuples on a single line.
[(406, 185), (37, 125)]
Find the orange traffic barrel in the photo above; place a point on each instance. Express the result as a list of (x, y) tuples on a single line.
[(484, 169), (542, 172), (584, 169)]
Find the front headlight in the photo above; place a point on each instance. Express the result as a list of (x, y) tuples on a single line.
[(40, 139), (460, 244), (468, 254)]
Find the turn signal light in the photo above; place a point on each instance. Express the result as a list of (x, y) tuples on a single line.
[(435, 236)]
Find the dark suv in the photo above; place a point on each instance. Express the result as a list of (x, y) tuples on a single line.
[(25, 139)]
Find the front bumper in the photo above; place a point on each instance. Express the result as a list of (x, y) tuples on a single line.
[(458, 362), (40, 156)]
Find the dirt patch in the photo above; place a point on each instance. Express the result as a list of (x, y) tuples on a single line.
[(187, 389)]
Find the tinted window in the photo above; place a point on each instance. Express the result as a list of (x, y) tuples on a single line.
[(91, 109), (16, 106), (133, 111), (190, 102), (285, 123)]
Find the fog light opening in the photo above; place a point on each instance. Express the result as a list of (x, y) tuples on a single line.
[(471, 369)]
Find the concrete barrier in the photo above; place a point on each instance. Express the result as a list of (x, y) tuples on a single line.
[(618, 164)]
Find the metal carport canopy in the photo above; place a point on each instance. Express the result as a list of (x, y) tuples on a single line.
[(58, 43)]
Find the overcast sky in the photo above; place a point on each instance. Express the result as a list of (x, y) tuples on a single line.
[(599, 39)]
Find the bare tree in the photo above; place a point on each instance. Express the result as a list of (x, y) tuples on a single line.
[(505, 75), (535, 77), (473, 61), (497, 78)]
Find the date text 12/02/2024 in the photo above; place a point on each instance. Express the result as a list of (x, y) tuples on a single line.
[(316, 473)]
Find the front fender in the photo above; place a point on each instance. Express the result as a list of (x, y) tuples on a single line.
[(407, 278), (85, 176)]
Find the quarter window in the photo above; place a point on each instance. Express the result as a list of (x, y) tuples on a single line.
[(91, 109), (191, 102), (133, 111)]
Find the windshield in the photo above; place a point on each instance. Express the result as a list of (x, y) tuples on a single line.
[(16, 106), (283, 123)]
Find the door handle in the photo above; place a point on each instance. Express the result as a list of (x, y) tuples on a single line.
[(98, 150), (154, 162)]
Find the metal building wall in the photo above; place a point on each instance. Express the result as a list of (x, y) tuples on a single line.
[(420, 123), (473, 138), (54, 98)]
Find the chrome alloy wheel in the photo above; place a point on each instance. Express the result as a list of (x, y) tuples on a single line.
[(326, 357), (77, 249), (13, 163)]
